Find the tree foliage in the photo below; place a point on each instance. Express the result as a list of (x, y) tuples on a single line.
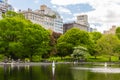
[(11, 14), (20, 38), (35, 40), (73, 37), (108, 44), (80, 52), (53, 42), (118, 32), (95, 36), (64, 49)]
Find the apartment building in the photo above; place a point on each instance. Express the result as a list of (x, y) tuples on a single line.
[(46, 17), (83, 20), (81, 23), (4, 6), (112, 30), (0, 15)]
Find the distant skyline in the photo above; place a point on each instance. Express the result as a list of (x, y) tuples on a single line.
[(102, 14)]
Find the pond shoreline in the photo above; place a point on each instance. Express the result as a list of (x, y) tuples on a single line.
[(49, 63)]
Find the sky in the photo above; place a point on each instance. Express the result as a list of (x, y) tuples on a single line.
[(102, 14)]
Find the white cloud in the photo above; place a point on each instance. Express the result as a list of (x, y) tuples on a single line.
[(54, 6), (106, 12), (64, 10), (68, 2), (36, 1), (15, 9), (9, 1), (70, 19)]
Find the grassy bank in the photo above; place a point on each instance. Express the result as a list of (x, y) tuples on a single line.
[(69, 59), (89, 59), (102, 59)]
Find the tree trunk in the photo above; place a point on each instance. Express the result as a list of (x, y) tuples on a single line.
[(119, 57), (95, 57), (30, 58), (61, 58), (39, 58), (110, 59)]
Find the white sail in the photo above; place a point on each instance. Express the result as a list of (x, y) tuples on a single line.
[(53, 64)]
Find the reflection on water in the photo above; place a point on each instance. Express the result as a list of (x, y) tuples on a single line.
[(35, 72), (53, 70), (59, 72), (96, 72), (53, 73), (100, 69)]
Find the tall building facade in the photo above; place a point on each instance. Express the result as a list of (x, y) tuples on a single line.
[(112, 30), (83, 19), (81, 23), (4, 6), (46, 17), (0, 15)]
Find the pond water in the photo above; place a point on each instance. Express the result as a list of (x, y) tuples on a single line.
[(59, 72)]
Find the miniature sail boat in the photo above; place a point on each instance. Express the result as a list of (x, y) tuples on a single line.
[(53, 64), (105, 64)]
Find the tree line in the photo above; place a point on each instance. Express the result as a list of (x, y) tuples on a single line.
[(20, 39)]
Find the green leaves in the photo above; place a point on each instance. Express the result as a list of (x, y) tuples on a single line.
[(93, 49), (118, 32), (73, 37), (64, 49), (11, 14), (80, 51), (76, 37), (108, 44), (35, 39), (95, 36), (22, 38)]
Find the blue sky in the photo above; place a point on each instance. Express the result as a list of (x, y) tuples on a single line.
[(101, 14)]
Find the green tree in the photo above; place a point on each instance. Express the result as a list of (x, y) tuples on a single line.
[(19, 38), (53, 41), (117, 50), (93, 48), (95, 36), (80, 52), (11, 14), (64, 49), (107, 45), (35, 40), (73, 37), (118, 32), (11, 30)]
